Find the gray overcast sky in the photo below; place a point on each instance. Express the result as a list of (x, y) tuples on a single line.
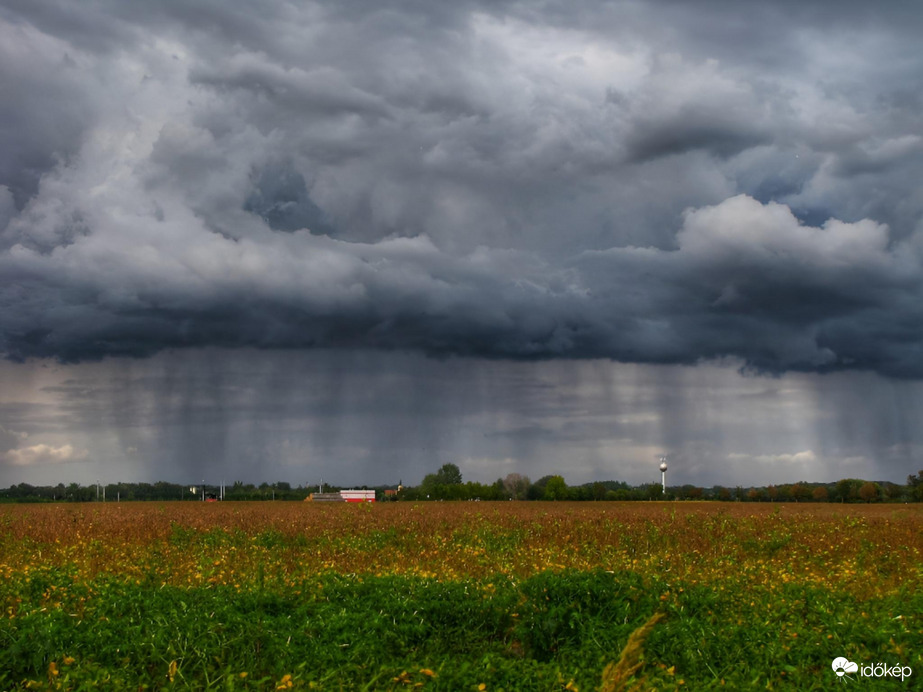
[(357, 240)]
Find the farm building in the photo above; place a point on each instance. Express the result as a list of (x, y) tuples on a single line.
[(358, 495), (343, 496)]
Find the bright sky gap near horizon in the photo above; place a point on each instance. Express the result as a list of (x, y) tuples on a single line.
[(358, 240)]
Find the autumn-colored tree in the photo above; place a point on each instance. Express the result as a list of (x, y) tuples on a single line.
[(868, 491), (819, 494), (800, 492)]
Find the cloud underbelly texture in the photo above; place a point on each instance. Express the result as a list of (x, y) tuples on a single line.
[(747, 280), (621, 182)]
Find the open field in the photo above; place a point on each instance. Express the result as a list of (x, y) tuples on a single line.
[(455, 595)]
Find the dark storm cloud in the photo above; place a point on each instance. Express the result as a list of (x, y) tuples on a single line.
[(10, 439), (281, 199), (37, 77), (656, 182)]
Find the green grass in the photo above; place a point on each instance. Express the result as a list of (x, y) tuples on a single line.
[(347, 632)]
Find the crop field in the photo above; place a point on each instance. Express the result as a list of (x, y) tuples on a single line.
[(459, 596)]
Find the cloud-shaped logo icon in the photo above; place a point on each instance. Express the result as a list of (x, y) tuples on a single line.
[(841, 666)]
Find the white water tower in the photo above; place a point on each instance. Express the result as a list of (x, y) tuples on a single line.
[(663, 473)]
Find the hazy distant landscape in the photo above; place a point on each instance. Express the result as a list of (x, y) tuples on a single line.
[(446, 484)]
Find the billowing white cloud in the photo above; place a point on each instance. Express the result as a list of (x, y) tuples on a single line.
[(743, 231), (42, 454), (805, 458)]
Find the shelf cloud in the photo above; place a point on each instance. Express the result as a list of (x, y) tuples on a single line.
[(488, 181)]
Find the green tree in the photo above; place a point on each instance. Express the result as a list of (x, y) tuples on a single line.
[(651, 491), (847, 489), (891, 491), (448, 474), (915, 486), (537, 489), (555, 488), (497, 491), (445, 484)]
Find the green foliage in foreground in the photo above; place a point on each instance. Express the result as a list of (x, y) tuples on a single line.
[(349, 632)]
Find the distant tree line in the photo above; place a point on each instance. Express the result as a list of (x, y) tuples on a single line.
[(127, 492), (447, 484)]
